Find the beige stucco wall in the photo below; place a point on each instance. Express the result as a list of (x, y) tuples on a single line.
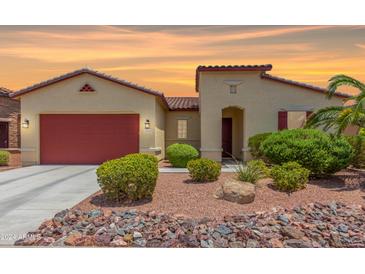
[(160, 114), (193, 118), (64, 97), (261, 100)]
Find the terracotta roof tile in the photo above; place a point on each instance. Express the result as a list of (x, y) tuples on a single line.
[(183, 103), (5, 92), (261, 68), (303, 85)]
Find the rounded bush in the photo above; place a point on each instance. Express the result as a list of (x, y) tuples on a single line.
[(4, 158), (311, 148), (131, 177), (180, 154), (290, 176), (204, 170), (254, 143), (358, 145)]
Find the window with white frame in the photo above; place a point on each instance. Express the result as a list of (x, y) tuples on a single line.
[(182, 129)]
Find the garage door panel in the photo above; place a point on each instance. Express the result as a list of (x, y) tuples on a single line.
[(87, 138)]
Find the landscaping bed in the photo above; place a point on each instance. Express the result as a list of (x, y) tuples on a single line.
[(313, 225), (175, 193)]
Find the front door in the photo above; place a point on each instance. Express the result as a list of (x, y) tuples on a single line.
[(4, 134), (227, 137)]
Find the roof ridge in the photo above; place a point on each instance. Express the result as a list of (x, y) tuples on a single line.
[(79, 71), (301, 84)]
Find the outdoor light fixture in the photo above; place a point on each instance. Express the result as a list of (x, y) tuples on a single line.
[(147, 124), (25, 124)]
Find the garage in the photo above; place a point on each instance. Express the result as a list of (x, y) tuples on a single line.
[(87, 138)]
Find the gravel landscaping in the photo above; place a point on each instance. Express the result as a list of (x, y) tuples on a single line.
[(313, 225), (176, 194)]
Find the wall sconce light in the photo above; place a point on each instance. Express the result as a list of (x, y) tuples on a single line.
[(147, 124), (25, 124)]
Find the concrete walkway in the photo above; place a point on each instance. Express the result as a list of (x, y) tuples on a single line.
[(30, 195)]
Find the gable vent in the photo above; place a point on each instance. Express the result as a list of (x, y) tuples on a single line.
[(87, 88)]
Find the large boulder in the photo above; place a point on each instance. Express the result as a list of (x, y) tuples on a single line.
[(236, 191)]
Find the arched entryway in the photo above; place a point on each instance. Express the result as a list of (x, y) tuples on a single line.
[(232, 132)]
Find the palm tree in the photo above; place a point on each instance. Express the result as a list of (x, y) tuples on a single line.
[(340, 117)]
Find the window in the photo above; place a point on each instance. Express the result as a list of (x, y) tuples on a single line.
[(233, 89), (182, 129), (292, 119), (296, 119)]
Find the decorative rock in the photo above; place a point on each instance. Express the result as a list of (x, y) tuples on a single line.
[(72, 238), (236, 191), (313, 225), (296, 243), (118, 241), (223, 229), (343, 228), (137, 235), (252, 243), (207, 244), (95, 213), (292, 232), (283, 218)]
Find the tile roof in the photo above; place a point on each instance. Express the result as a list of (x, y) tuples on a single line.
[(5, 92), (183, 103), (92, 72), (303, 85), (261, 68)]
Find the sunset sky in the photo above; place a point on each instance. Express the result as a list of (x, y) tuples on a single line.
[(165, 57)]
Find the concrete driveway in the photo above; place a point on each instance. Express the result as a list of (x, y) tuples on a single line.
[(29, 195)]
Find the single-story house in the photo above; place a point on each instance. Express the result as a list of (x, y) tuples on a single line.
[(9, 121), (87, 117)]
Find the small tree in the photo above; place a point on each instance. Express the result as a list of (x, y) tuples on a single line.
[(340, 117)]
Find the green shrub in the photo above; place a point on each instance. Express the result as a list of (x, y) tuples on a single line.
[(260, 166), (254, 143), (362, 131), (358, 145), (133, 177), (4, 158), (204, 170), (290, 176), (180, 154), (311, 148), (248, 174)]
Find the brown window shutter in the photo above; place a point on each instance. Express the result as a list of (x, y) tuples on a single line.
[(282, 120), (309, 113)]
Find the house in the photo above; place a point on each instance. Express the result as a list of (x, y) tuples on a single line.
[(87, 117), (9, 121)]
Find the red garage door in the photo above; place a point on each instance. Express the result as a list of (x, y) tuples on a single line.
[(87, 138)]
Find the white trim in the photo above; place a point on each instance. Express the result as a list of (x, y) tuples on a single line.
[(233, 82), (25, 149), (148, 149), (211, 149), (5, 119), (245, 149)]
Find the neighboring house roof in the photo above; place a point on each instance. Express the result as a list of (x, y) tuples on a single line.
[(183, 103), (199, 69), (5, 92), (91, 72), (303, 85)]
